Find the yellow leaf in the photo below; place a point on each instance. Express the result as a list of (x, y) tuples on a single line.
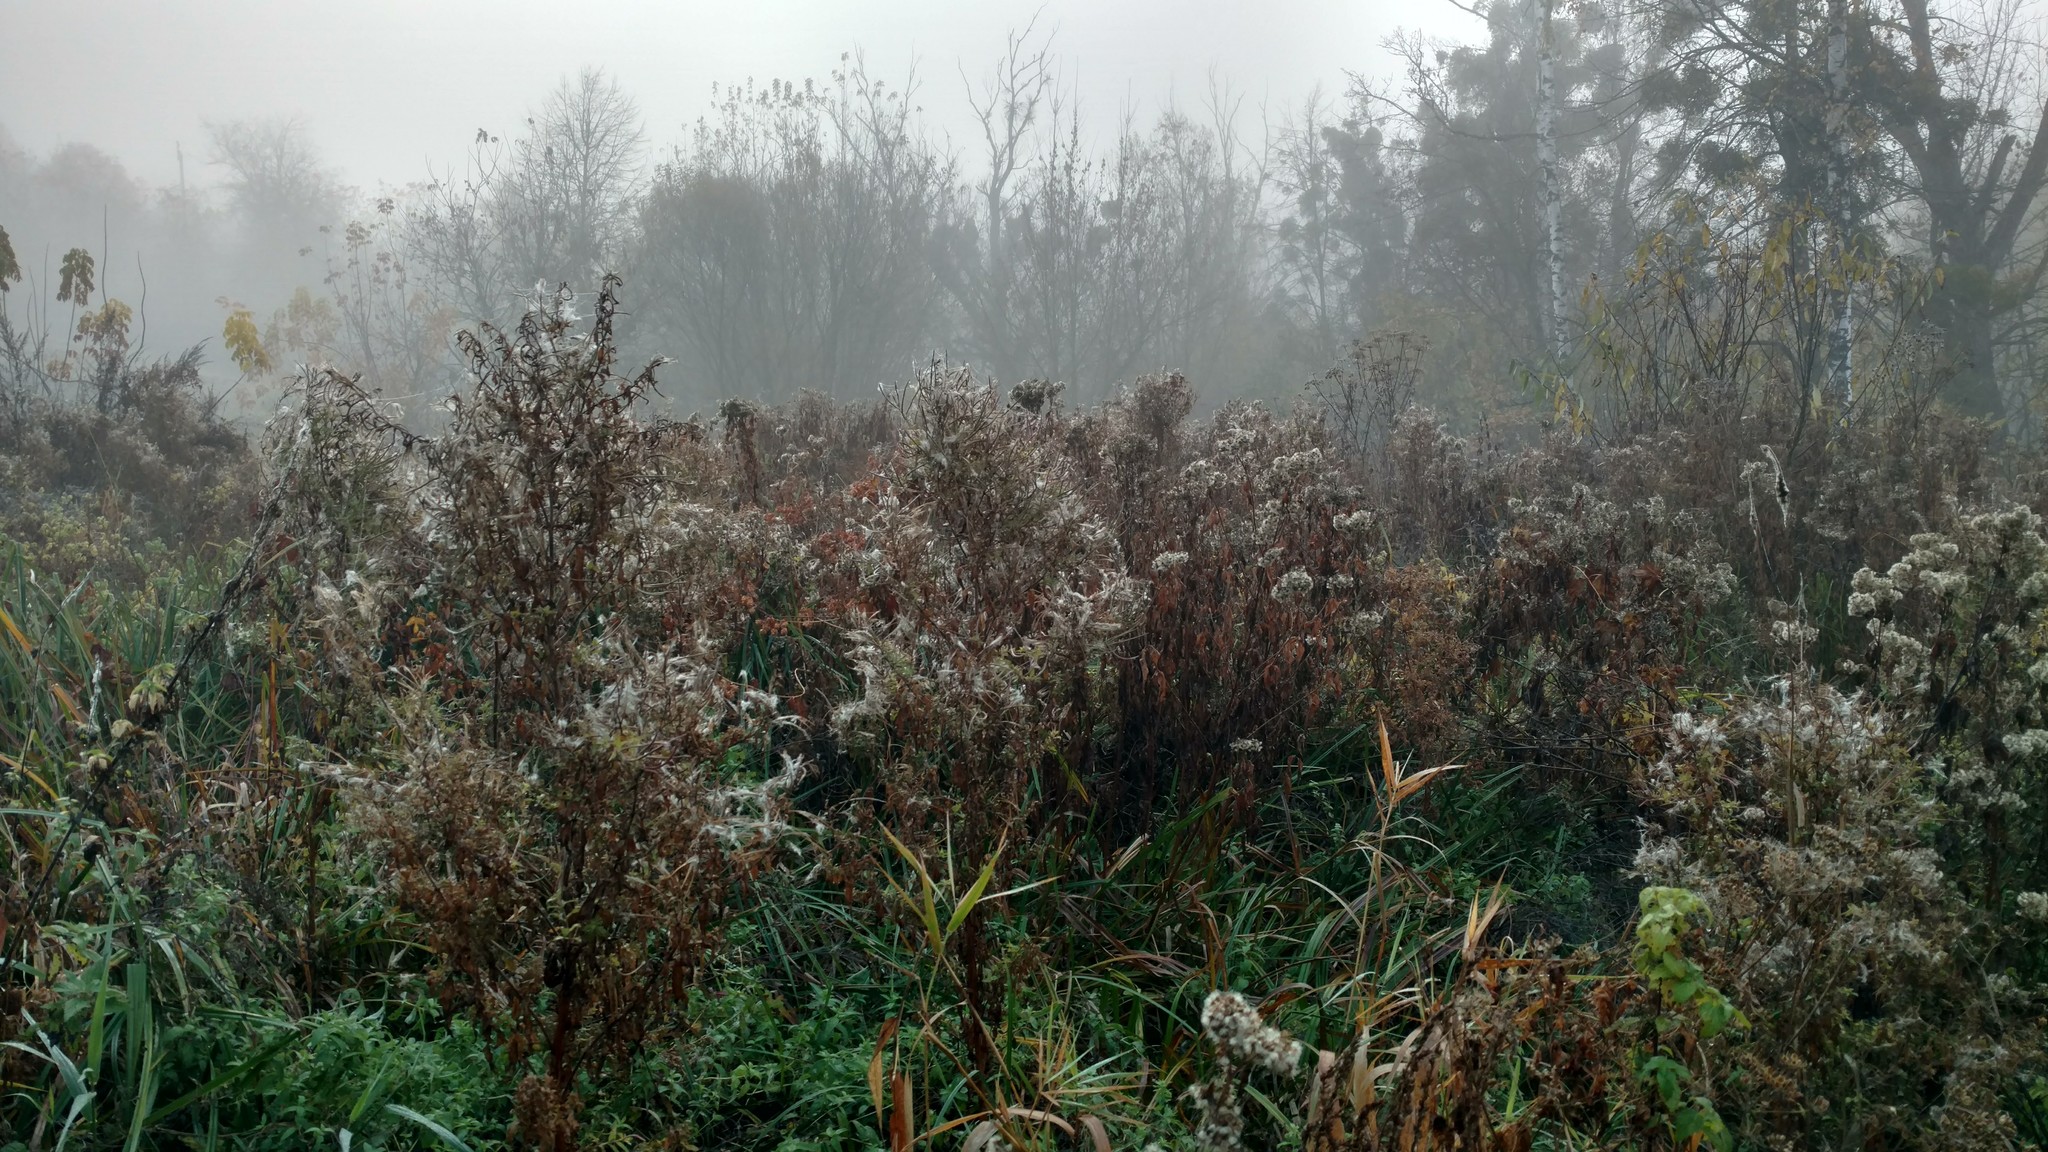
[(967, 902), (245, 347), (1387, 757), (8, 621), (1476, 922)]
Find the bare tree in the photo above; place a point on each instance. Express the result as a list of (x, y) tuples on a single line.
[(1958, 95), (1011, 103), (1088, 267), (277, 187), (551, 206), (1315, 258), (565, 202), (788, 245), (1212, 188)]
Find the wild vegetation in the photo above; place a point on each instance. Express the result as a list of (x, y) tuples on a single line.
[(1605, 718)]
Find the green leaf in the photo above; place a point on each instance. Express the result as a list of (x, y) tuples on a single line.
[(430, 1125), (96, 1032), (75, 277), (246, 1068), (78, 1104), (1716, 1014), (1666, 1074), (136, 1016), (145, 1093), (10, 267), (369, 1091), (1700, 1119), (927, 910), (973, 897)]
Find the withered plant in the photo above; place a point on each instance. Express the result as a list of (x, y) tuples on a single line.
[(1810, 827), (550, 804)]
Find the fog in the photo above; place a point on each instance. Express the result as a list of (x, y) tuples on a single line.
[(1166, 575), (826, 196), (387, 88), (382, 96)]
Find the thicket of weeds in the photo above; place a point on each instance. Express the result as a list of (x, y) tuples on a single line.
[(967, 770)]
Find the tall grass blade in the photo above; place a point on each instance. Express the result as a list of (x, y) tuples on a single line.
[(430, 1124)]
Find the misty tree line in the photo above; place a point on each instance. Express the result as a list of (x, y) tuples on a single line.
[(1492, 200)]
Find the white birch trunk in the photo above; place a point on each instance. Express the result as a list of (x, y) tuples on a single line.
[(1546, 158), (1842, 327)]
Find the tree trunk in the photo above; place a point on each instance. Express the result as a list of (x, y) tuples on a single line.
[(1840, 208), (1962, 307), (1546, 158)]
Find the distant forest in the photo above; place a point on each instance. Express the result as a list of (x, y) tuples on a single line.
[(1505, 203), (1503, 612)]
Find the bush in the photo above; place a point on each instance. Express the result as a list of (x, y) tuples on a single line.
[(931, 770)]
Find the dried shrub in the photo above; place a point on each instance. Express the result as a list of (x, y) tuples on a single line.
[(1368, 391), (552, 809), (975, 597), (1269, 592), (571, 889), (1520, 1049), (1808, 824), (1590, 620), (1958, 649), (821, 444), (148, 461)]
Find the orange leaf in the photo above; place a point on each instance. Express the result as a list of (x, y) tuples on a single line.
[(875, 1068), (902, 1123)]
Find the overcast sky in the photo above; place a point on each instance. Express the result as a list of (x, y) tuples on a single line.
[(388, 87)]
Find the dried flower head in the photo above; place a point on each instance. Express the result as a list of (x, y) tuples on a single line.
[(1235, 1027), (1294, 587)]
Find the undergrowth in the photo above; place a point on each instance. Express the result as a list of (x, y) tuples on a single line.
[(969, 770)]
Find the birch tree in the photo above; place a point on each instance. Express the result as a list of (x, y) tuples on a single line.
[(1841, 222), (1547, 163)]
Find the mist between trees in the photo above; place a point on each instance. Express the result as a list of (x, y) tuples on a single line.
[(1503, 611), (1499, 202)]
